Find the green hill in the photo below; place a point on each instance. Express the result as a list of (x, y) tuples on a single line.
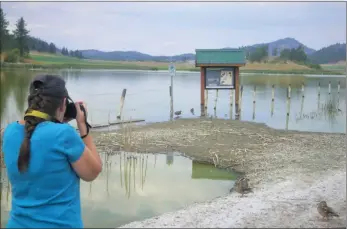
[(331, 54)]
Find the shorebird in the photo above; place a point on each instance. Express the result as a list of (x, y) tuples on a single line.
[(192, 111), (241, 186), (178, 113), (326, 211)]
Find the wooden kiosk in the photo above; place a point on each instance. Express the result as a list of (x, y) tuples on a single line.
[(219, 70)]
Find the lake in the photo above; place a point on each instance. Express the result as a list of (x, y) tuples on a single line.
[(134, 187), (138, 186), (148, 98)]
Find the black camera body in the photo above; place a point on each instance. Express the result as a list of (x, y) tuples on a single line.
[(71, 111)]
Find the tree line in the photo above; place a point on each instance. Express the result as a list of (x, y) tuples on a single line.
[(261, 54), (19, 43), (331, 54)]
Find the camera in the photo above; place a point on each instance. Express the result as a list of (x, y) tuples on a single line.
[(71, 111)]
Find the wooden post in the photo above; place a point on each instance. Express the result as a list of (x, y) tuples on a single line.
[(202, 90), (338, 87), (303, 90), (302, 104), (318, 89), (206, 101), (240, 101), (254, 95), (122, 98), (289, 92), (231, 103), (237, 90), (288, 106), (171, 103), (329, 87), (272, 99), (215, 101)]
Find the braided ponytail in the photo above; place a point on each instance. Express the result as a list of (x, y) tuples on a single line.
[(48, 105)]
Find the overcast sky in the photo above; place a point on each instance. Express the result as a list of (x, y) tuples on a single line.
[(174, 28)]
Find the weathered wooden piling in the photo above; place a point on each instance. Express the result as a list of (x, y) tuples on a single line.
[(272, 99), (303, 90), (122, 98), (239, 105), (329, 87), (254, 96), (171, 103), (318, 89), (231, 103), (338, 87), (288, 105), (215, 101), (206, 101), (302, 105)]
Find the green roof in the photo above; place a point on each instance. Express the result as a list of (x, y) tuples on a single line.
[(220, 56)]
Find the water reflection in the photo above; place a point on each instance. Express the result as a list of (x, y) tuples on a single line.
[(131, 188), (147, 97)]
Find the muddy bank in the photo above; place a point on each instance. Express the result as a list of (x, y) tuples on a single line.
[(290, 171), (259, 151)]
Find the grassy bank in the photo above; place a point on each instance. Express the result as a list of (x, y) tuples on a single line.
[(338, 67), (49, 61)]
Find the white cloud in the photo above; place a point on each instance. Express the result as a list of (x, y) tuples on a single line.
[(172, 28)]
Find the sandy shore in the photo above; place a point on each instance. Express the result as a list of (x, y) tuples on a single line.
[(289, 171), (291, 203)]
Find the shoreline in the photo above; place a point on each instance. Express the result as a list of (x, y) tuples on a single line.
[(281, 165), (133, 67), (286, 204)]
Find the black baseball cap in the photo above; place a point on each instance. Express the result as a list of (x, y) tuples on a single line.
[(49, 85)]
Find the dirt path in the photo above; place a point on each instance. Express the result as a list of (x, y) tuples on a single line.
[(290, 171)]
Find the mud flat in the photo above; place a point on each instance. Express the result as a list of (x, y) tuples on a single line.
[(290, 171)]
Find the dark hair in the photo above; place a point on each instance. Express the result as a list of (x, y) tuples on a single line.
[(46, 104)]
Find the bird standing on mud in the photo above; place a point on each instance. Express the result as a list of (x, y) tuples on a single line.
[(192, 111), (241, 186), (178, 113), (326, 211)]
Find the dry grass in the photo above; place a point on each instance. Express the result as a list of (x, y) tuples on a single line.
[(259, 151)]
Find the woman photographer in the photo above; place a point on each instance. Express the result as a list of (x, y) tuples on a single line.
[(45, 158)]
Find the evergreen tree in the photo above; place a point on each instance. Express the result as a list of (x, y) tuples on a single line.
[(3, 30), (21, 36)]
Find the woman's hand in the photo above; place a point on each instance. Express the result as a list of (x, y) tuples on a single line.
[(81, 118)]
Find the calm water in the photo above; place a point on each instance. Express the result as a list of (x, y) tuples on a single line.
[(134, 187), (148, 97)]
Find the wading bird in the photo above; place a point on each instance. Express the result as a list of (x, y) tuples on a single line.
[(241, 186), (326, 211), (178, 113), (192, 111)]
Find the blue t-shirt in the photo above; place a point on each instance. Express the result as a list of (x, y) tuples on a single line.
[(47, 194)]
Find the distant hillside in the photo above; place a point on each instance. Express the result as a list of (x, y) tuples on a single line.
[(279, 45), (134, 56), (286, 43), (331, 54)]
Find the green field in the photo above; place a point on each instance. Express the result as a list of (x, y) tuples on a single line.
[(49, 61), (340, 67)]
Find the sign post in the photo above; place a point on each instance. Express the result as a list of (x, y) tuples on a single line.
[(172, 71)]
